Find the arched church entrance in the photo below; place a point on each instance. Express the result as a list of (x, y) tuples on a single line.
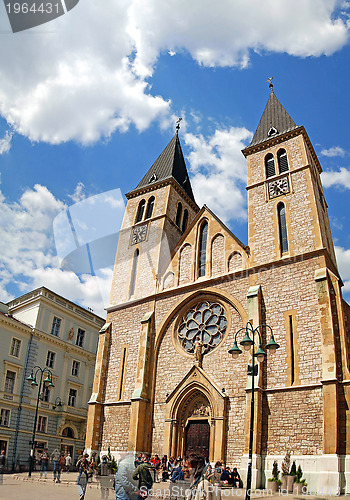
[(195, 418), (195, 415)]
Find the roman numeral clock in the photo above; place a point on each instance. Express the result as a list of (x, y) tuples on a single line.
[(138, 234), (278, 187)]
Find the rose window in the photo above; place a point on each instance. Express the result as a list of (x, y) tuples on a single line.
[(206, 323)]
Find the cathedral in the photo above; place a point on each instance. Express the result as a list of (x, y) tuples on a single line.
[(184, 286)]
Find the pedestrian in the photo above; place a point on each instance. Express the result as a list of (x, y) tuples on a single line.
[(143, 475), (62, 463), (2, 464), (44, 460), (68, 462), (83, 466), (55, 457)]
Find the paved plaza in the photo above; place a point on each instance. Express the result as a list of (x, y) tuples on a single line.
[(20, 487)]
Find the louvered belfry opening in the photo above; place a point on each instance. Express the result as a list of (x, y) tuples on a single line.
[(270, 165), (140, 211), (282, 161), (178, 214), (150, 207)]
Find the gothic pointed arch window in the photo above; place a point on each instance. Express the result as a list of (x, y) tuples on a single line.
[(140, 211), (270, 165), (282, 160), (185, 220), (135, 262), (282, 225), (202, 254), (150, 206), (178, 214)]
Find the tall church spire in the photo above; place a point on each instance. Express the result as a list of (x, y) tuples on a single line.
[(169, 164), (275, 121)]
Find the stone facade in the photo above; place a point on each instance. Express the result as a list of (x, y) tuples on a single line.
[(158, 383)]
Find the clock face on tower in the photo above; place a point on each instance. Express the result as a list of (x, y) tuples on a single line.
[(278, 187), (138, 234)]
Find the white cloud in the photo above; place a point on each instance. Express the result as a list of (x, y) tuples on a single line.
[(83, 76), (28, 257), (5, 143), (78, 194), (343, 260), (334, 151), (338, 179), (219, 171)]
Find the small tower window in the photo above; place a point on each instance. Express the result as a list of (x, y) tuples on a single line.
[(202, 260), (178, 215), (134, 273), (282, 224), (150, 207), (140, 211), (185, 220), (270, 165), (282, 161)]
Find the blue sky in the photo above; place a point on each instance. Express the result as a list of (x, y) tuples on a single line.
[(89, 100)]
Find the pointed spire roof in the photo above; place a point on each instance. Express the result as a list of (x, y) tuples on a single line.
[(170, 164), (275, 121)]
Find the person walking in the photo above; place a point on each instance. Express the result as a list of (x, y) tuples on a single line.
[(144, 477), (83, 466), (44, 460), (55, 457), (68, 462)]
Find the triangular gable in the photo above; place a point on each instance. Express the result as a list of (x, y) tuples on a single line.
[(216, 227), (196, 380)]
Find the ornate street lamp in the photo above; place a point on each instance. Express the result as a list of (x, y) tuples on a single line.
[(247, 342), (43, 384)]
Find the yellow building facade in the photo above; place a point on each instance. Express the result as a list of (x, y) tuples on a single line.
[(184, 285)]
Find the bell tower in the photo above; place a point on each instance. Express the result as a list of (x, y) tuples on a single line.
[(287, 211), (157, 213)]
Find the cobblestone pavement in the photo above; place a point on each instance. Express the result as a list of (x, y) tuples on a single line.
[(20, 487)]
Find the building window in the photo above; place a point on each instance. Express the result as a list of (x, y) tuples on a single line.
[(281, 210), (80, 337), (50, 359), (150, 206), (282, 161), (15, 347), (68, 433), (5, 417), (75, 368), (134, 273), (42, 423), (140, 211), (185, 220), (202, 260), (178, 214), (10, 381), (56, 324), (122, 374), (45, 395), (72, 397), (270, 165)]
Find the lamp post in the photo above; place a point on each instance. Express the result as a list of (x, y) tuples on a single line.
[(248, 342), (42, 384)]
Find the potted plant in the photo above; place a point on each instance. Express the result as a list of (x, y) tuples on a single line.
[(287, 477), (300, 484), (274, 481)]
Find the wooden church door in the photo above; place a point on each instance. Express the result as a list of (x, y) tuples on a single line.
[(197, 438)]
